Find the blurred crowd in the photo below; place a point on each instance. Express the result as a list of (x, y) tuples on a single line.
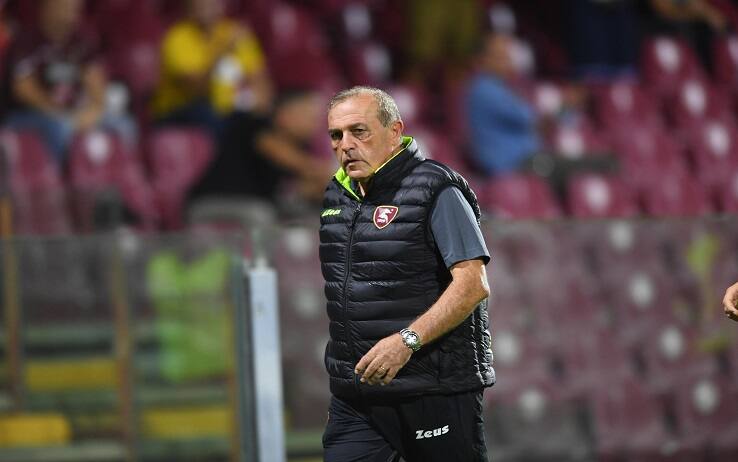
[(578, 107)]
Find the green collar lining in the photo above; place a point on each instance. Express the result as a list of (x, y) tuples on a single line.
[(345, 181)]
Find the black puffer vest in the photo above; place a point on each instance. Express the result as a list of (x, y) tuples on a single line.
[(382, 270)]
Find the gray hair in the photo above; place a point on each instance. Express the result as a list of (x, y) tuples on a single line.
[(387, 111)]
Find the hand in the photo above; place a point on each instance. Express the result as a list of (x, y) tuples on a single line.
[(729, 302), (382, 363), (86, 119)]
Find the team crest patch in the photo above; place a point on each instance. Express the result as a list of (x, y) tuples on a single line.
[(384, 214)]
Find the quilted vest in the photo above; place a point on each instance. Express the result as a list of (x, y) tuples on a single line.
[(382, 270)]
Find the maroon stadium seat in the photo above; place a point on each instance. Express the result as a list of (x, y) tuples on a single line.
[(576, 140), (298, 51), (413, 103), (725, 61), (597, 196), (435, 146), (714, 149), (627, 420), (625, 104), (707, 413), (520, 196), (675, 195), (696, 101), (178, 158), (368, 63), (99, 163), (728, 196), (37, 191), (666, 62)]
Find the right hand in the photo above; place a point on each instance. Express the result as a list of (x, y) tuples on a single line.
[(729, 302)]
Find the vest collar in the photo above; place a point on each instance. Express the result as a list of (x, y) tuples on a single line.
[(396, 166)]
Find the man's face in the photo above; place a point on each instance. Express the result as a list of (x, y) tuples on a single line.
[(359, 140)]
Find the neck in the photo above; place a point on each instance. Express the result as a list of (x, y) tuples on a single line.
[(364, 183)]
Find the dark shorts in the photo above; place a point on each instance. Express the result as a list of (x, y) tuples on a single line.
[(434, 428)]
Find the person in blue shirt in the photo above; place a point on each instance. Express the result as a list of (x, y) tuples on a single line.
[(503, 126)]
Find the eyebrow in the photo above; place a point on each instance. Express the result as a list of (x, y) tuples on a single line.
[(350, 127)]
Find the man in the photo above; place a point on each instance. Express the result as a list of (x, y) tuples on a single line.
[(730, 302), (57, 83), (211, 65), (404, 263), (502, 123), (257, 152)]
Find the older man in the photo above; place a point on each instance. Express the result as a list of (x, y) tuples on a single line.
[(404, 263)]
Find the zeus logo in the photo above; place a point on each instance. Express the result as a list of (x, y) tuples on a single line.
[(420, 434)]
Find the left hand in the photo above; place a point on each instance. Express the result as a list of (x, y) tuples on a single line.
[(382, 363)]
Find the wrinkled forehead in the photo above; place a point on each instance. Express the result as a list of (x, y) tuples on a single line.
[(360, 109)]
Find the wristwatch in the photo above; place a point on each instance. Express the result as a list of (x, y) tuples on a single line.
[(411, 339)]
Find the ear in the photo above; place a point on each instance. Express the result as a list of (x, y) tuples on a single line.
[(397, 128)]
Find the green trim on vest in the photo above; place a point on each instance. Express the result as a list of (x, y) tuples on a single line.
[(345, 181)]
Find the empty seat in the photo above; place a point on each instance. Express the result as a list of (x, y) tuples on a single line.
[(627, 420), (675, 196), (413, 103), (707, 413), (596, 196), (38, 194), (625, 104), (576, 140), (298, 50), (666, 62), (696, 101), (520, 196), (102, 169), (728, 196), (725, 61), (368, 64), (179, 158), (714, 148)]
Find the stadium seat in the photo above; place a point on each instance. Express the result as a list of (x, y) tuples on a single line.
[(707, 414), (298, 51), (596, 196), (519, 196), (728, 196), (628, 421), (625, 104), (647, 152), (725, 61), (675, 195), (435, 146), (413, 103), (577, 140), (714, 149), (696, 101), (34, 182), (100, 165), (178, 158), (666, 62), (368, 64)]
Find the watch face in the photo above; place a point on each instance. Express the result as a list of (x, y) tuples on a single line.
[(412, 337)]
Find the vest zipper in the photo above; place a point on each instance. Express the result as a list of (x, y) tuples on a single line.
[(349, 339)]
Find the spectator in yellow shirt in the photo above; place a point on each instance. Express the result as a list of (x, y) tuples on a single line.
[(211, 65)]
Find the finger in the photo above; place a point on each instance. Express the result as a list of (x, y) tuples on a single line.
[(364, 362), (371, 369), (391, 373), (732, 315)]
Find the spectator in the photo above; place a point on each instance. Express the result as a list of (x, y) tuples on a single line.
[(602, 38), (502, 124), (211, 65), (257, 152), (697, 21), (57, 82)]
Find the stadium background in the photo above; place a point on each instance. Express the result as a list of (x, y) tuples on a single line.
[(609, 339)]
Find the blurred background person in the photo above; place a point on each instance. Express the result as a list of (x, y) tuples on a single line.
[(602, 38), (210, 65), (503, 126), (57, 83), (257, 152), (696, 21)]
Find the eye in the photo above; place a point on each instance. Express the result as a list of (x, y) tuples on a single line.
[(359, 132), (335, 136)]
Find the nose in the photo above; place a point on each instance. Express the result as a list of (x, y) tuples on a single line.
[(347, 142)]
